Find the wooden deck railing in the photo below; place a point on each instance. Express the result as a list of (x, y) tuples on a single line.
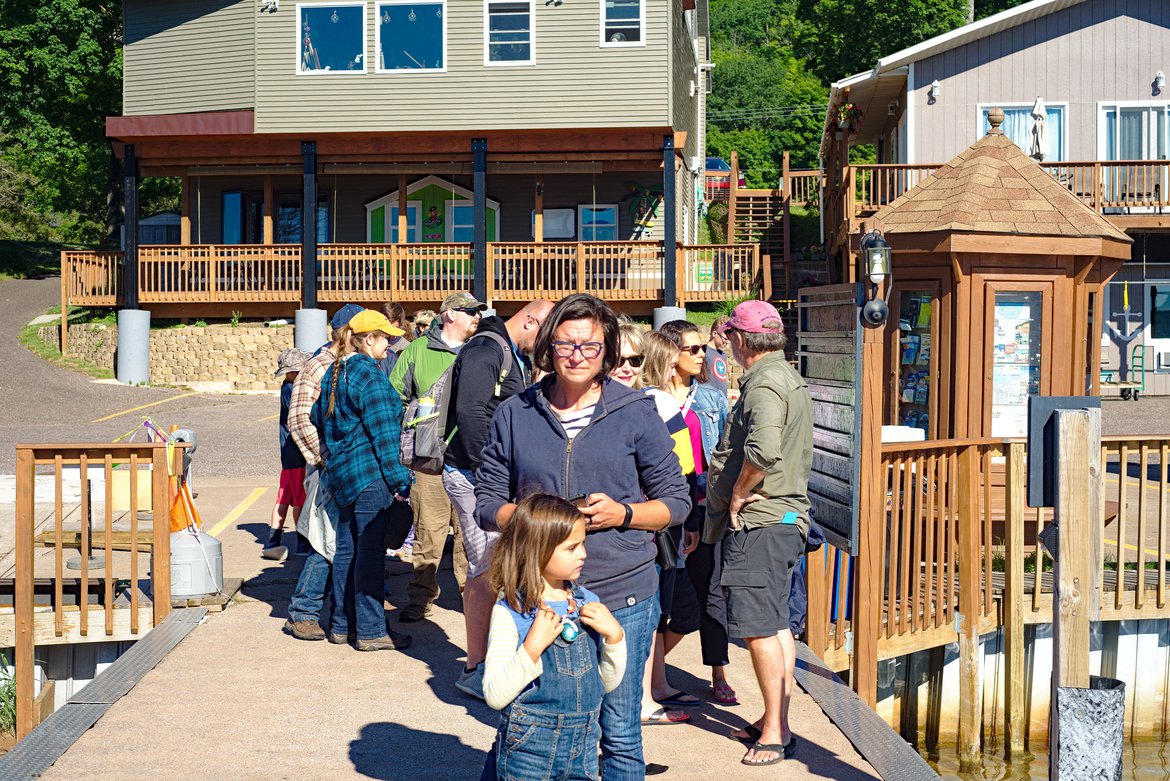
[(717, 272), (960, 540), (516, 271), (1113, 187), (91, 278), (71, 612), (803, 187)]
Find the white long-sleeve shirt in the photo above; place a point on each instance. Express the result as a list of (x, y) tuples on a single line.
[(508, 668)]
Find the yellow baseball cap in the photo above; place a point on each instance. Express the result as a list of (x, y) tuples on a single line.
[(369, 320)]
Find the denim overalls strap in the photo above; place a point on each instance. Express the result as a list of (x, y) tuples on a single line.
[(550, 731)]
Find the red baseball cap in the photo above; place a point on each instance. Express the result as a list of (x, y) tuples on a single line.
[(755, 317)]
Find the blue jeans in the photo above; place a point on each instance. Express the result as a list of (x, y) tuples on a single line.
[(312, 588), (359, 564), (621, 709)]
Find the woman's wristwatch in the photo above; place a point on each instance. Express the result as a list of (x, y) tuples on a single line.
[(629, 517)]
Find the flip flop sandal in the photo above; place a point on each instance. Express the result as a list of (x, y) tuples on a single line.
[(663, 716), (724, 694), (751, 733), (679, 699), (775, 748)]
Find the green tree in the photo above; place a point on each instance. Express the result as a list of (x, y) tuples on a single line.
[(60, 77)]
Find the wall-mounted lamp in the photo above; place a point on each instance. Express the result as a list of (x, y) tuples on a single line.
[(935, 90), (269, 6), (892, 109), (1159, 82), (874, 265), (539, 189)]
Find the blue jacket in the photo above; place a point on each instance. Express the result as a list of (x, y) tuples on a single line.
[(711, 407), (624, 451)]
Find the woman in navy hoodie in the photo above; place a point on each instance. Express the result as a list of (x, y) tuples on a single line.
[(603, 446)]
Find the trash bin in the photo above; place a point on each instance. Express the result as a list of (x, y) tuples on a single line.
[(1091, 725)]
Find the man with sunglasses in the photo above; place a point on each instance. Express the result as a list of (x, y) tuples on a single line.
[(480, 380), (418, 368)]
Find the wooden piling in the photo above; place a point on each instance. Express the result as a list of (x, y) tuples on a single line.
[(970, 604), (1078, 468), (1013, 601)]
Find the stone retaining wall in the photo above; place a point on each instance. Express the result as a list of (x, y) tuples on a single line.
[(244, 356)]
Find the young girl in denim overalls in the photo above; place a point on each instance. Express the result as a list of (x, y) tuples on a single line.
[(553, 649)]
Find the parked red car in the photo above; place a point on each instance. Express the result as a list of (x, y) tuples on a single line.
[(719, 174)]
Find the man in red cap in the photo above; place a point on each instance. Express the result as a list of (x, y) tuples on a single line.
[(757, 503)]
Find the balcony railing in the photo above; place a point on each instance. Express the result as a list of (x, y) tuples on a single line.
[(1115, 188), (630, 271)]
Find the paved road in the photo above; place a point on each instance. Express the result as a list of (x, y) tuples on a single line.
[(42, 403)]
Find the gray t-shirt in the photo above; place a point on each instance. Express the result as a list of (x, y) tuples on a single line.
[(716, 370)]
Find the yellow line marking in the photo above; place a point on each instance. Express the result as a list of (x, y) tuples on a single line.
[(237, 511), (270, 417), (1153, 553), (144, 406)]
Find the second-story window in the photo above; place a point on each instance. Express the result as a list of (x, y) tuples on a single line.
[(623, 23), (412, 35), (331, 38), (509, 37)]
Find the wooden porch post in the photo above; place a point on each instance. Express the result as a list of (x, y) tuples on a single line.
[(732, 186), (65, 274), (309, 226), (130, 228), (185, 212), (538, 219), (669, 226), (871, 547), (786, 203), (479, 209), (268, 232), (403, 224)]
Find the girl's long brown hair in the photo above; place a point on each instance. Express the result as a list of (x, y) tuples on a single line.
[(345, 339), (661, 354), (540, 523)]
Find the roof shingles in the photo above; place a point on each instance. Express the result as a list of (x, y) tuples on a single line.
[(993, 187)]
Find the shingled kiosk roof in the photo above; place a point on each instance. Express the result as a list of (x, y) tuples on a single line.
[(994, 188)]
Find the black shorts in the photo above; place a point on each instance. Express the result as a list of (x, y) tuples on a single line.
[(757, 576)]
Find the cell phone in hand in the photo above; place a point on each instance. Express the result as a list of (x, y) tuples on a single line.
[(580, 502)]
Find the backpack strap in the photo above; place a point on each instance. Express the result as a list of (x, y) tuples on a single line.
[(506, 349)]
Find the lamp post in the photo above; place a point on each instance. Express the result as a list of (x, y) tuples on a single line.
[(874, 264)]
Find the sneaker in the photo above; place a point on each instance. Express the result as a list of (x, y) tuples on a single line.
[(304, 630), (414, 612), (406, 554), (394, 641), (275, 553), (471, 682)]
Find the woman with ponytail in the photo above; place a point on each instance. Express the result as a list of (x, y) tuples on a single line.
[(359, 416)]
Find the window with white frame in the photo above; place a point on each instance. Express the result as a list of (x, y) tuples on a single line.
[(460, 222), (331, 38), (598, 221), (412, 35), (623, 23), (413, 223), (1020, 126), (509, 32)]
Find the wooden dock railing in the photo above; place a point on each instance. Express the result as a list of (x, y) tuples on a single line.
[(51, 607)]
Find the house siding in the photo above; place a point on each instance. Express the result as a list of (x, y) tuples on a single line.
[(573, 83), (684, 69), (1099, 50), (186, 56)]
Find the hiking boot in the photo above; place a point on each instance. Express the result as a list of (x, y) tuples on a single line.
[(470, 682), (394, 641), (338, 639), (304, 630), (414, 612), (275, 553)]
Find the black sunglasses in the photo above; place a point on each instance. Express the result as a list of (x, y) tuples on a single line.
[(632, 360), (470, 311), (693, 349)]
